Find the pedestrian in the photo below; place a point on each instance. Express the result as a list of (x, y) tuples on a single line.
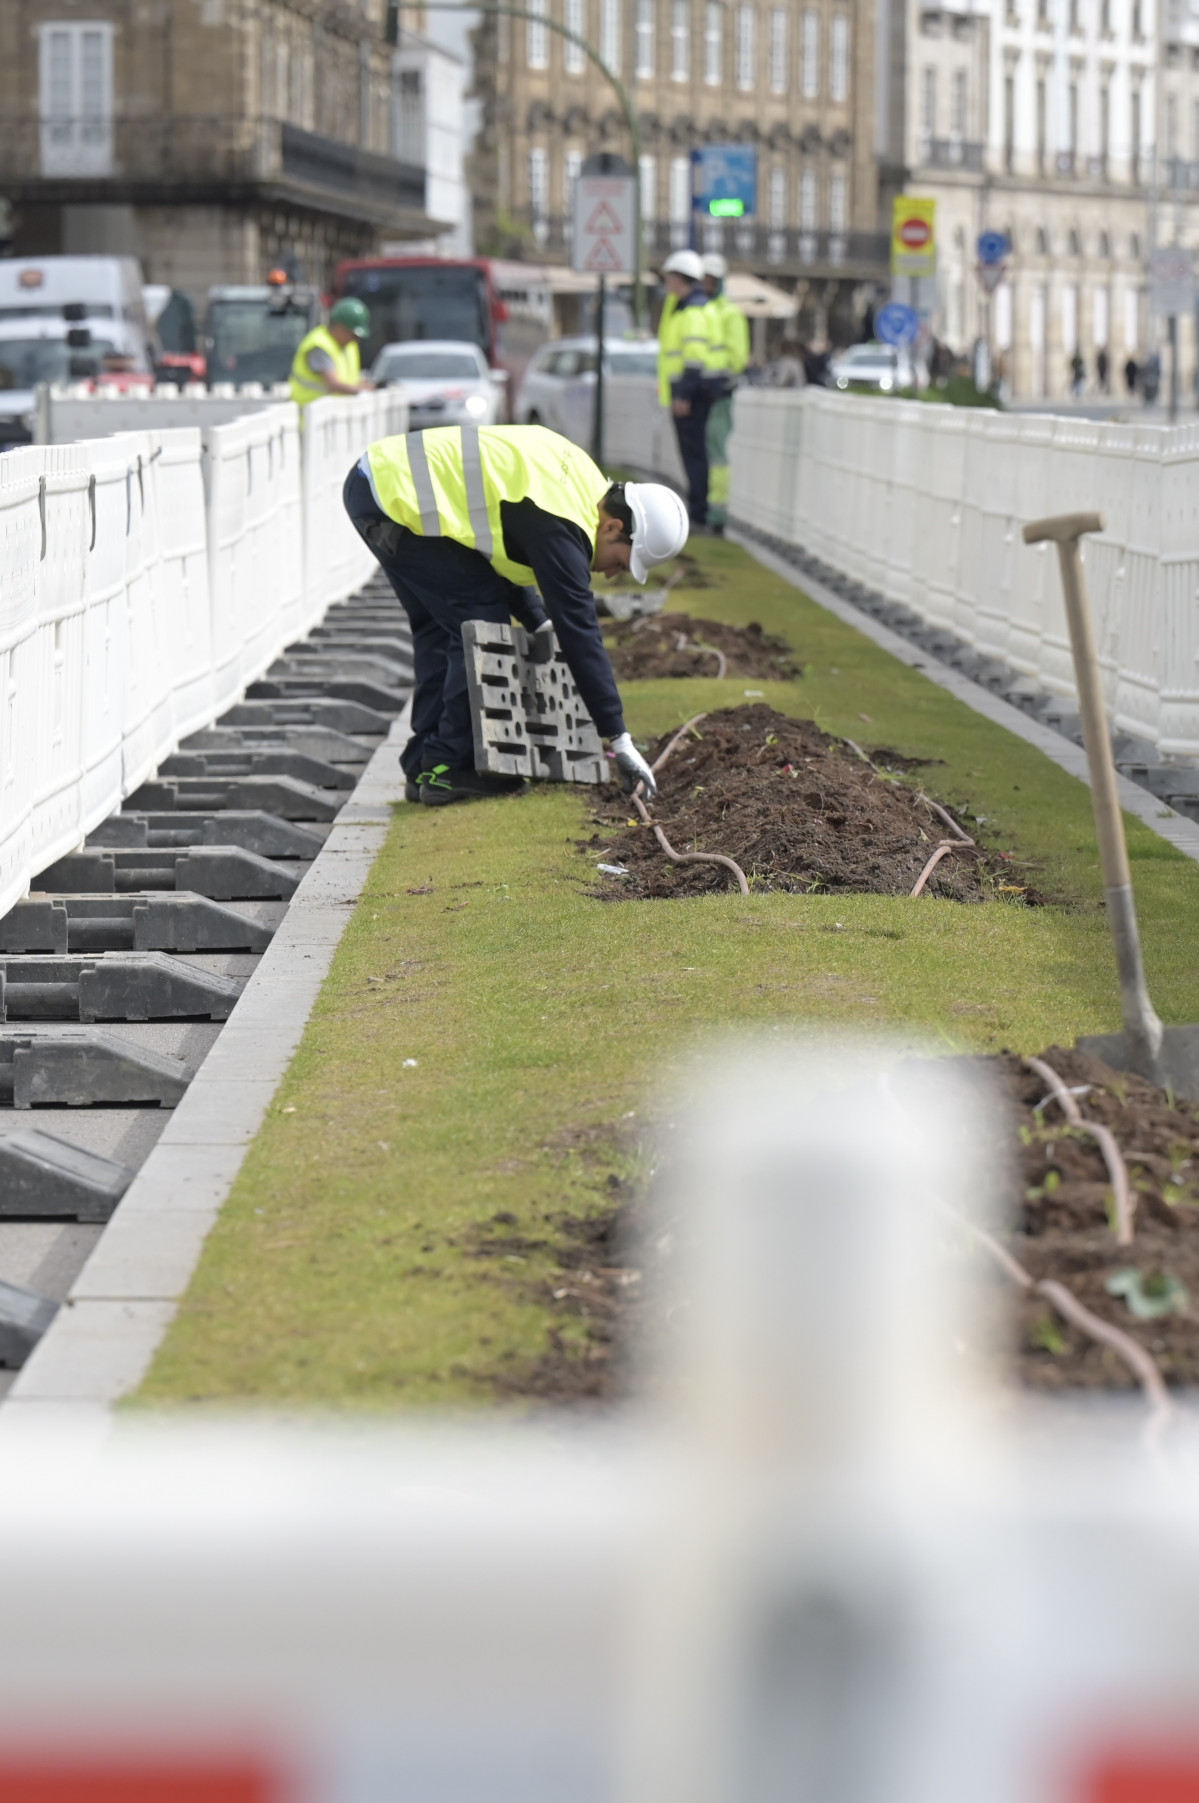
[(734, 329), (328, 360), (691, 373), (1078, 373), (1101, 369), (1131, 375), (787, 370), (1151, 378), (463, 520)]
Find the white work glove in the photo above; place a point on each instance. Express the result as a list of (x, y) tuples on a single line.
[(633, 767)]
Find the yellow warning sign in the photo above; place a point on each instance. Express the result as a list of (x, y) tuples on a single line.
[(913, 236)]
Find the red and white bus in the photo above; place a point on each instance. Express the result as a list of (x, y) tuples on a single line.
[(504, 308)]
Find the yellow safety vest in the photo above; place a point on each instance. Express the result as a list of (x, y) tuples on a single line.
[(735, 333), (449, 481), (347, 365), (690, 335)]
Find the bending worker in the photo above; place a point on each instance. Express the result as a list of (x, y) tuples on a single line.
[(690, 369), (463, 519), (328, 360), (734, 336)]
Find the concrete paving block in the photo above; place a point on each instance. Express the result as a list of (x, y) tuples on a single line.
[(219, 1113), (184, 1176), (148, 1255), (98, 1352)]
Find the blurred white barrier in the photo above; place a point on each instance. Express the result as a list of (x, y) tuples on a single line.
[(834, 1566), (145, 579), (924, 504), (66, 414)]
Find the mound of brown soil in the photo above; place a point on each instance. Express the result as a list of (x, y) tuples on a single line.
[(675, 644), (1062, 1226), (797, 809)]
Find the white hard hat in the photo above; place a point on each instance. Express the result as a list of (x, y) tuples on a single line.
[(715, 264), (660, 522), (684, 262)]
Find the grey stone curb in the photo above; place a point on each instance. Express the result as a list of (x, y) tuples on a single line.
[(1180, 832), (104, 1337)]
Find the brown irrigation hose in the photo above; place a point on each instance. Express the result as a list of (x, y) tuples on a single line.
[(1078, 1315), (687, 857), (1104, 1138), (721, 659), (945, 847), (678, 737)]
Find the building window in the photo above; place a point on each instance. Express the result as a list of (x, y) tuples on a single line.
[(75, 73), (610, 34), (1072, 124), (1003, 317), (1132, 320), (838, 202), (1069, 319), (408, 117), (776, 202), (745, 47), (1105, 17), (811, 55), (539, 192), (1042, 123), (1102, 320), (928, 102), (537, 36), (809, 215), (778, 50), (644, 30), (649, 189), (1009, 122), (1137, 33), (1105, 126), (572, 168), (574, 57), (1075, 20), (1195, 130), (680, 40), (1135, 134), (838, 62), (679, 199), (1171, 125), (713, 46), (958, 114)]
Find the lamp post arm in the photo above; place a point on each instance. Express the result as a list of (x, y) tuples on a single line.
[(496, 7)]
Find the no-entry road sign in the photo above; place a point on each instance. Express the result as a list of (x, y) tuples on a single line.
[(603, 239), (914, 236)]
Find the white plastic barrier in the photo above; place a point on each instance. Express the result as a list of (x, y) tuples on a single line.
[(65, 414), (925, 505), (145, 579)]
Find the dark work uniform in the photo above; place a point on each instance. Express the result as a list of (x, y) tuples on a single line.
[(442, 584)]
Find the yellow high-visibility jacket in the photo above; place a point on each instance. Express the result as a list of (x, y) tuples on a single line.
[(690, 344), (735, 334), (449, 482), (347, 365)]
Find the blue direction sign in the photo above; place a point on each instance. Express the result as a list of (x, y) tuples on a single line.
[(724, 181), (896, 324), (993, 247)]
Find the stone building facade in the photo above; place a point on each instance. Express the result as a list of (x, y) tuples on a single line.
[(1073, 126), (794, 78), (211, 138)]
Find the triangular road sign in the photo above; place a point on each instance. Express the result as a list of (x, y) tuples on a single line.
[(603, 259), (604, 220), (991, 274)]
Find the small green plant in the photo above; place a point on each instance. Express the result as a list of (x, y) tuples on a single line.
[(1050, 1185), (1047, 1336), (1149, 1295)]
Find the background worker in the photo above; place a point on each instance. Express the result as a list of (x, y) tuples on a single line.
[(463, 519), (328, 360), (734, 328), (690, 370)]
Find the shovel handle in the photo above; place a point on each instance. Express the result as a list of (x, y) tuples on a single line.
[(1140, 1021)]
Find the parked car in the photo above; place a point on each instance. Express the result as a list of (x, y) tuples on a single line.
[(560, 380), (448, 381), (875, 366)]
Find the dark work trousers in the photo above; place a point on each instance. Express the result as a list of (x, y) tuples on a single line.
[(440, 584), (692, 432)]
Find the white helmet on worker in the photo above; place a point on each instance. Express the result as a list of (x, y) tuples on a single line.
[(684, 262), (715, 265), (660, 524)]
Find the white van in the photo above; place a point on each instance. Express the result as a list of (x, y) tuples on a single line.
[(65, 319)]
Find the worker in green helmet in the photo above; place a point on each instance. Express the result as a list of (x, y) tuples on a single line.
[(328, 361)]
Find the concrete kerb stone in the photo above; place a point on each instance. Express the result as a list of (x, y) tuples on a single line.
[(1176, 829), (104, 1338)]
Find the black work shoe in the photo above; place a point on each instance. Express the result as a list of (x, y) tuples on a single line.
[(441, 785), (412, 789)]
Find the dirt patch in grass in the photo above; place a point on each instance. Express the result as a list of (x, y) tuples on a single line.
[(678, 644), (1062, 1223), (799, 810)]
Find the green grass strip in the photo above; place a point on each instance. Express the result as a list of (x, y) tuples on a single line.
[(345, 1268)]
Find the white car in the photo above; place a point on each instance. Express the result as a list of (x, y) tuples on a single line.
[(875, 366), (559, 383), (447, 379)]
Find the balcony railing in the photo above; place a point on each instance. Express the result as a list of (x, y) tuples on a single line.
[(790, 250), (198, 156), (952, 153)]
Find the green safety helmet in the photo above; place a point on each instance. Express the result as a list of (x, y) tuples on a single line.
[(353, 315)]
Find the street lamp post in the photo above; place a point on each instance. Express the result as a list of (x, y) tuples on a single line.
[(621, 92)]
